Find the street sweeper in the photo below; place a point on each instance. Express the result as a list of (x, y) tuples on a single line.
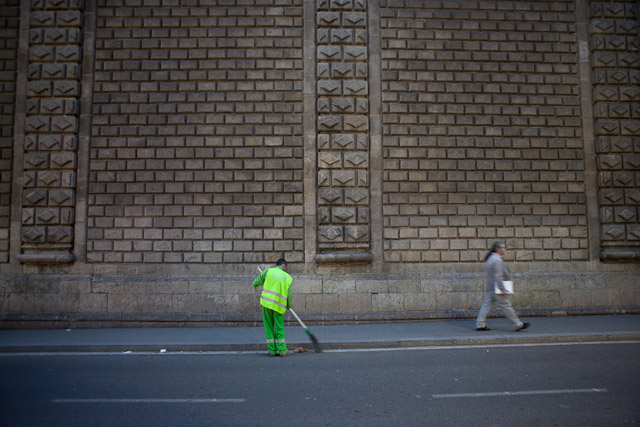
[(275, 300)]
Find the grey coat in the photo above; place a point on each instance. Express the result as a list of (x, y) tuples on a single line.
[(497, 271)]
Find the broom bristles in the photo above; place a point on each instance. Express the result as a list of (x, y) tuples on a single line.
[(316, 344)]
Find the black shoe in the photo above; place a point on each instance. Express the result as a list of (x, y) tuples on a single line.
[(525, 325), (483, 329)]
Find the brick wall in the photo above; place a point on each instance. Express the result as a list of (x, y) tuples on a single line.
[(197, 134), (164, 148), (9, 25), (482, 131)]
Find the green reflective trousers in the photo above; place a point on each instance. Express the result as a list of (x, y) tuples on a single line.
[(274, 331)]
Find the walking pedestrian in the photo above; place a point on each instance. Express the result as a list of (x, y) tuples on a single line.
[(275, 300), (497, 272)]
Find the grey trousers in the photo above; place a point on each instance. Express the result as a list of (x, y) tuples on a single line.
[(504, 302)]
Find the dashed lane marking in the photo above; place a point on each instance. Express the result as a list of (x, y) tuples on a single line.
[(520, 393), (148, 400)]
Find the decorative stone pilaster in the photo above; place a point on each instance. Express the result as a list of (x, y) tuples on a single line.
[(10, 23), (51, 140), (615, 50), (343, 132)]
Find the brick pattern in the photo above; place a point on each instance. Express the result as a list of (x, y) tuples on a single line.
[(51, 126), (197, 147), (615, 50), (481, 131), (9, 24), (342, 125)]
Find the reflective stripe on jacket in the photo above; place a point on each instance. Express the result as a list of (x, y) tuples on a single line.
[(276, 290)]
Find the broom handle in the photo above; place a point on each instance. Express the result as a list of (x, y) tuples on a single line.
[(291, 310), (297, 318)]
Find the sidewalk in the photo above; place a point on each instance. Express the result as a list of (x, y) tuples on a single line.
[(434, 333)]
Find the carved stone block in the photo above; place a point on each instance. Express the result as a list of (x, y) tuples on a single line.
[(59, 234), (613, 232), (611, 196), (28, 216), (329, 88), (356, 123), (343, 141), (355, 88), (61, 197), (330, 123), (357, 233), (606, 214), (632, 196), (328, 19), (610, 161), (330, 233), (50, 142), (343, 178), (357, 196), (329, 53), (623, 179), (343, 215), (68, 54), (605, 179), (69, 18), (607, 127), (47, 216), (626, 214), (30, 180), (36, 160), (341, 4), (330, 196), (39, 89), (66, 88), (68, 124), (41, 53), (343, 106), (355, 53), (354, 19), (356, 160), (633, 232), (342, 71), (63, 160), (49, 179), (342, 36), (323, 70), (33, 234)]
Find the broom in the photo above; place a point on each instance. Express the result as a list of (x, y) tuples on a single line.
[(314, 340)]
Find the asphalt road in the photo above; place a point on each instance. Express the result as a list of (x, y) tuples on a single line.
[(564, 385)]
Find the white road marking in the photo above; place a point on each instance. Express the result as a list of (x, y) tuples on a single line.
[(346, 350), (479, 346), (520, 393), (148, 400)]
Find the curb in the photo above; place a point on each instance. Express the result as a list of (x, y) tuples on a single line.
[(444, 342)]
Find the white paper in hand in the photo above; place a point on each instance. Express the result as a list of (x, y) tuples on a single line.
[(508, 286)]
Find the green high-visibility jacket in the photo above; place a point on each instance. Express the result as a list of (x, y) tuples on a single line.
[(276, 291)]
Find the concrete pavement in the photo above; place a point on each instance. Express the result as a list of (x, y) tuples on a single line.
[(385, 335)]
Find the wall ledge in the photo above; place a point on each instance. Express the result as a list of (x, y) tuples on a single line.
[(628, 255), (47, 258), (344, 258)]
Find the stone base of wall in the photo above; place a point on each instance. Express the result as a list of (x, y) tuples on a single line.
[(97, 320), (43, 301)]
